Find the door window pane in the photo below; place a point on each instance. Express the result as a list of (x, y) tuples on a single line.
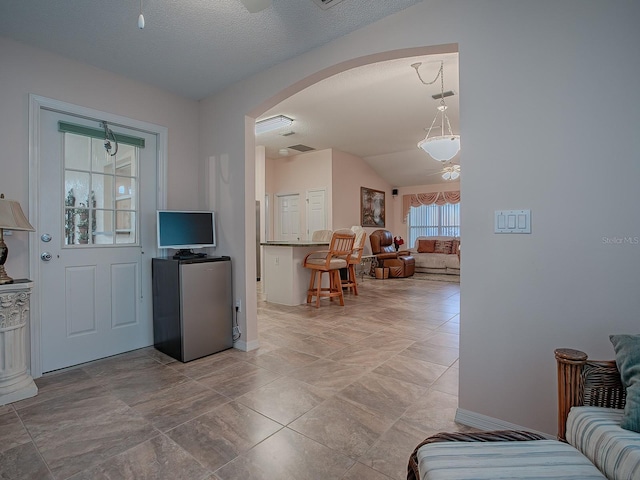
[(100, 193)]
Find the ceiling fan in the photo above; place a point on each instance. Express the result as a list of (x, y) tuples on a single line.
[(449, 172)]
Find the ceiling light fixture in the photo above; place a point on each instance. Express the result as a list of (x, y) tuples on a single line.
[(451, 172), (273, 123), (441, 147), (284, 152)]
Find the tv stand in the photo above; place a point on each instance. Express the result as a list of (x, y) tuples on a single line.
[(187, 254)]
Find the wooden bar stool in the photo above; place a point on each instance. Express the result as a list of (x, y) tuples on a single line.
[(356, 257), (329, 261)]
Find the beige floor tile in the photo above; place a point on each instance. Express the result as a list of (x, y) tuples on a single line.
[(434, 412), (287, 455), (382, 395), (242, 378), (168, 408), (431, 353), (218, 437), (157, 459), (23, 462), (390, 454), (12, 431), (283, 360), (360, 472), (411, 370), (328, 375), (343, 426), (284, 400), (370, 379)]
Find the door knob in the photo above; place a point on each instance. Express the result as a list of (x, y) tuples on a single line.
[(45, 237), (46, 256)]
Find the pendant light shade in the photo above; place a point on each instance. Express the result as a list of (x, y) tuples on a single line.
[(441, 148)]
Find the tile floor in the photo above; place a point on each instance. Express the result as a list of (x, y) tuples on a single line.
[(332, 393)]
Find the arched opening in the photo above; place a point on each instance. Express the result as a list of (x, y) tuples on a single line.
[(319, 76)]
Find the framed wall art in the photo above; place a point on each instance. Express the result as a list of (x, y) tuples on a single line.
[(371, 207)]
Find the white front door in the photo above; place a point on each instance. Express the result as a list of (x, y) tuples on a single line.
[(288, 221), (96, 234), (316, 211)]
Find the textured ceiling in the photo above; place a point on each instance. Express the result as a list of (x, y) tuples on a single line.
[(190, 47), (196, 48)]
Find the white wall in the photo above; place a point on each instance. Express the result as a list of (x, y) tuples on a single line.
[(542, 85), (25, 70)]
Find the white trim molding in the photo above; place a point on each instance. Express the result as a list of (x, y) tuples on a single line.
[(36, 104), (485, 423)]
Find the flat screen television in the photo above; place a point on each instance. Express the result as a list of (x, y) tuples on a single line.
[(184, 230)]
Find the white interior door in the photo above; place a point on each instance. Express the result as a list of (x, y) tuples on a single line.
[(96, 238), (316, 211), (288, 221)]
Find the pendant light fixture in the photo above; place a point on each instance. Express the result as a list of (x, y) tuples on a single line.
[(441, 147)]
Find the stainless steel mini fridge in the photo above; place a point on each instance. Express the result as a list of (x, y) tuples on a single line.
[(192, 306)]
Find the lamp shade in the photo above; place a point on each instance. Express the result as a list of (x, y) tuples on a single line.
[(441, 148), (11, 216)]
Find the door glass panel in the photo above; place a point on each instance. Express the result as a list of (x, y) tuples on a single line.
[(125, 227), (101, 160), (100, 193), (104, 234), (77, 152)]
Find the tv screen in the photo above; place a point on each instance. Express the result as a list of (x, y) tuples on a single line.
[(183, 230)]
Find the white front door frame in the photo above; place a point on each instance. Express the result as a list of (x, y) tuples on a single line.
[(36, 104)]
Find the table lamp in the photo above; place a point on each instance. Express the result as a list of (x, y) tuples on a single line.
[(11, 218)]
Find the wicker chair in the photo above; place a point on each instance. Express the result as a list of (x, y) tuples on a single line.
[(585, 382)]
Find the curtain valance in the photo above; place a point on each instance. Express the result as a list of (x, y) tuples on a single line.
[(417, 199)]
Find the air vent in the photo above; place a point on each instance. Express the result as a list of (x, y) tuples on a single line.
[(301, 148), (438, 96), (325, 4), (288, 134)]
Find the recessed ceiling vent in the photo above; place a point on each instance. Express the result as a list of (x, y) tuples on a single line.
[(325, 4), (301, 148)]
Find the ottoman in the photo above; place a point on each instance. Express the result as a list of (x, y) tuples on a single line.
[(401, 267), (498, 455)]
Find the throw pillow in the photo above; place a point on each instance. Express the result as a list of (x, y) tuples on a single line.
[(454, 246), (426, 246), (443, 246), (627, 348)]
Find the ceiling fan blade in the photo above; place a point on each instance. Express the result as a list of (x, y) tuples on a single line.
[(255, 6)]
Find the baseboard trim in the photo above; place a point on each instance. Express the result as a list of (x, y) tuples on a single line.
[(246, 347), (486, 423)]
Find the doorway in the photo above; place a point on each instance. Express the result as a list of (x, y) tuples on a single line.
[(95, 235)]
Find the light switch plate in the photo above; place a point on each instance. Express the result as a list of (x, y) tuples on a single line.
[(512, 221)]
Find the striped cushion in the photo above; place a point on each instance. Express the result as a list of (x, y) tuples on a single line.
[(596, 432), (536, 459)]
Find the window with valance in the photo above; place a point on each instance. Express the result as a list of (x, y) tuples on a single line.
[(417, 199)]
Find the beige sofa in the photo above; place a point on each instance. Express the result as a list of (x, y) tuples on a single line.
[(429, 259)]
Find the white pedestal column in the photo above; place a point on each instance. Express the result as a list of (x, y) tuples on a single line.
[(15, 381)]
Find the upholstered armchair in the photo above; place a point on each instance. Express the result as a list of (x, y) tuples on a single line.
[(400, 263)]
